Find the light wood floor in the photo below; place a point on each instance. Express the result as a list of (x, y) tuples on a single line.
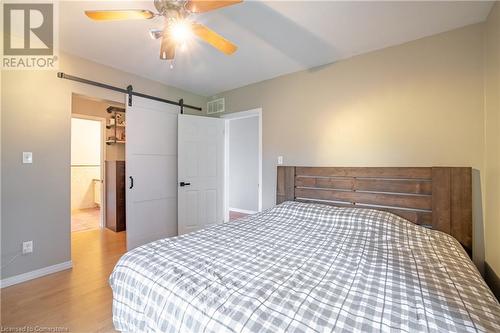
[(79, 299)]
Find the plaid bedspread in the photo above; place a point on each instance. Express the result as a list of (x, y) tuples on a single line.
[(303, 268)]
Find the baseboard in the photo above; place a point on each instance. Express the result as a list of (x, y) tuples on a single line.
[(35, 274), (243, 211), (492, 280)]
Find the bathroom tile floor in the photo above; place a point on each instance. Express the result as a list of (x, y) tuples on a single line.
[(85, 219)]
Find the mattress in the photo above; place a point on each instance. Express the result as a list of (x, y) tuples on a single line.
[(303, 268)]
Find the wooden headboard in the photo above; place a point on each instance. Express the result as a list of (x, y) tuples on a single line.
[(436, 197)]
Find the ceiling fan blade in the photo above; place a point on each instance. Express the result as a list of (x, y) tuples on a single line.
[(214, 39), (167, 48), (113, 15), (201, 6)]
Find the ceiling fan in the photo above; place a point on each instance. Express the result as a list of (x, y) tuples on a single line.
[(178, 28)]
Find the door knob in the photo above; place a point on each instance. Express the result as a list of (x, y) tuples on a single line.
[(182, 184)]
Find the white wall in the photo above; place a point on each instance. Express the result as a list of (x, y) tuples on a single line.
[(86, 105), (82, 186), (86, 144), (244, 163)]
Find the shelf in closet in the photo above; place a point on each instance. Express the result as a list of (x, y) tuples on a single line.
[(110, 142), (112, 109), (115, 125)]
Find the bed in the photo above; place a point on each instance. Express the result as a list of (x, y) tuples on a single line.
[(357, 251)]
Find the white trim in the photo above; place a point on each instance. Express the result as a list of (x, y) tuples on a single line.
[(242, 114), (243, 211), (260, 160), (226, 171), (35, 274), (102, 216), (228, 117)]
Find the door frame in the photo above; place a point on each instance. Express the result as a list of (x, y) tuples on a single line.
[(257, 112), (102, 215)]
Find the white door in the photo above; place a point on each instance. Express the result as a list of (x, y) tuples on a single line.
[(201, 172), (151, 171)]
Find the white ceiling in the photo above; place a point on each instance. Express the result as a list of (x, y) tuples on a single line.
[(274, 37)]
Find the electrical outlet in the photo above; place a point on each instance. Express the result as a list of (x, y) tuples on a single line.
[(280, 160), (28, 247), (27, 157)]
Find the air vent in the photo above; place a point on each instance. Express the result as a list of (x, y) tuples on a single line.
[(215, 106)]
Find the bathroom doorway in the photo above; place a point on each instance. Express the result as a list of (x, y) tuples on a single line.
[(87, 158), (98, 129)]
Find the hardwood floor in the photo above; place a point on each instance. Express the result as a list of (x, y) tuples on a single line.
[(78, 299)]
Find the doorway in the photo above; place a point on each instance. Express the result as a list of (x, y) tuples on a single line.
[(87, 158), (243, 164), (97, 156)]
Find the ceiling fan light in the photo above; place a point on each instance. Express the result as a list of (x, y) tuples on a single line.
[(155, 33), (181, 31)]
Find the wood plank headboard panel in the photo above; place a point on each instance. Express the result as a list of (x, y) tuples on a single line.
[(435, 197)]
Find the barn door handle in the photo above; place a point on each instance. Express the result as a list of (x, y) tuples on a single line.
[(131, 182), (182, 184)]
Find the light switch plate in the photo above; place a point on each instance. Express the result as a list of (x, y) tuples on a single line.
[(27, 157), (28, 247), (280, 160)]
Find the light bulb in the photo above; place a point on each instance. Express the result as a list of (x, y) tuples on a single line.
[(181, 31)]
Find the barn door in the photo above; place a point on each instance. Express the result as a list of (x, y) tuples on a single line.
[(151, 171)]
